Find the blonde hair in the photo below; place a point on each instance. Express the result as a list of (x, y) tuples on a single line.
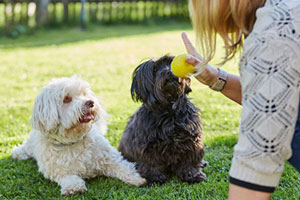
[(231, 19)]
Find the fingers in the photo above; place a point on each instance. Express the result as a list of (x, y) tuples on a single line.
[(188, 80), (184, 81), (192, 60), (189, 46)]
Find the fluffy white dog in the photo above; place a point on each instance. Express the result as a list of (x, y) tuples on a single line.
[(67, 138)]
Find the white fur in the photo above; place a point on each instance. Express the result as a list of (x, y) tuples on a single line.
[(66, 150)]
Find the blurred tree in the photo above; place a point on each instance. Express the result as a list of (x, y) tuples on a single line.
[(66, 10), (83, 15), (42, 12)]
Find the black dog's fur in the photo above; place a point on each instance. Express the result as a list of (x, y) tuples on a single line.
[(164, 135)]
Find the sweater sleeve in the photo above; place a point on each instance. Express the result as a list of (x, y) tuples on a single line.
[(270, 76)]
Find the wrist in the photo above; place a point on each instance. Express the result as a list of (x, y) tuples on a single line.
[(209, 76), (219, 84)]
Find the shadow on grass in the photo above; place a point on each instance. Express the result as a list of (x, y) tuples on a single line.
[(222, 141), (65, 35), (21, 180)]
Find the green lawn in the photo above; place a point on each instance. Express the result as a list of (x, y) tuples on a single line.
[(106, 57)]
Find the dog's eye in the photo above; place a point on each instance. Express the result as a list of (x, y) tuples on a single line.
[(67, 99)]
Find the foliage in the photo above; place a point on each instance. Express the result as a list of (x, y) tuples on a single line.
[(22, 17)]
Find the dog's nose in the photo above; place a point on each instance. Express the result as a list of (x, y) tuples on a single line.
[(89, 103)]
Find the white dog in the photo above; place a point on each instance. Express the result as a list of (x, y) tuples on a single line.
[(67, 138)]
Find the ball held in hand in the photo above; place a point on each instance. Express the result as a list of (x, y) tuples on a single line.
[(181, 68)]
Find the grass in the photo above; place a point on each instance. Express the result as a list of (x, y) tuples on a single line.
[(105, 56)]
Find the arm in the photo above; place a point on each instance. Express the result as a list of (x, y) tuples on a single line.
[(232, 88)]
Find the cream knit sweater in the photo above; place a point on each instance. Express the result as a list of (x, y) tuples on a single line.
[(270, 77)]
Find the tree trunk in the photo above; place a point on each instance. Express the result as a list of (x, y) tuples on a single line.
[(83, 15), (66, 10), (42, 12)]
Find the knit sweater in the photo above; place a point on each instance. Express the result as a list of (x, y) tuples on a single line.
[(270, 78)]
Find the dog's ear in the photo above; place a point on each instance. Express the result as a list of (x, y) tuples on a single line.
[(143, 83), (45, 117)]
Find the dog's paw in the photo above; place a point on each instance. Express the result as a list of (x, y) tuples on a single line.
[(196, 178), (159, 179), (72, 185), (18, 153), (136, 180), (139, 181), (72, 191), (192, 176), (204, 164)]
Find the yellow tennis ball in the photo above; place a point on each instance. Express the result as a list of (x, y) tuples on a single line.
[(180, 67)]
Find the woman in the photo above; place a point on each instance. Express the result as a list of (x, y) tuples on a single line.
[(268, 88)]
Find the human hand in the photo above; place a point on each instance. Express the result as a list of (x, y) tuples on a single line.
[(204, 73), (194, 58), (185, 82)]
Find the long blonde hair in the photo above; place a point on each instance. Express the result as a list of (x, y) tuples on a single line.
[(231, 19)]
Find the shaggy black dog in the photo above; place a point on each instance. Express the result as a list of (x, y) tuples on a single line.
[(164, 135)]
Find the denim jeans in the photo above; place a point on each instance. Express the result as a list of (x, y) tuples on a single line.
[(295, 159)]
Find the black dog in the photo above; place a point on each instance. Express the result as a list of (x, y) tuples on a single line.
[(164, 135)]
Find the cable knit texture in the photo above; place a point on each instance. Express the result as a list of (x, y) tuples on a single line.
[(270, 76)]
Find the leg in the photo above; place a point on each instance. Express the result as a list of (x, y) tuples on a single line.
[(111, 163), (152, 174), (71, 184), (191, 174), (120, 168), (22, 152), (241, 193)]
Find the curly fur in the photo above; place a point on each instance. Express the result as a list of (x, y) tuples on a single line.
[(67, 138), (164, 135)]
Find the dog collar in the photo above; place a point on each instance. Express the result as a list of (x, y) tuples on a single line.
[(61, 144), (58, 144)]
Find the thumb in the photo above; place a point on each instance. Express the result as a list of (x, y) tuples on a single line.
[(192, 60)]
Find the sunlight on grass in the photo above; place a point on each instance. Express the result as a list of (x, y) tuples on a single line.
[(106, 58)]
